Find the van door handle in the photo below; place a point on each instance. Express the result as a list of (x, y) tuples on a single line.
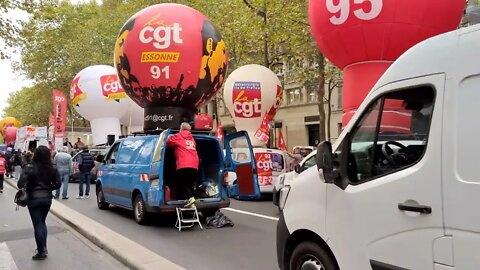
[(422, 209)]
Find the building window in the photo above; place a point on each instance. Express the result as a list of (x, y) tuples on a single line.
[(340, 98), (294, 96), (312, 94)]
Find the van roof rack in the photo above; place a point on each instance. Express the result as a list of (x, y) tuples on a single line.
[(158, 131)]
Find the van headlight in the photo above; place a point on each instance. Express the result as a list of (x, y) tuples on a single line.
[(282, 197)]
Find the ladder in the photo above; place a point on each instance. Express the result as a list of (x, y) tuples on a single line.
[(187, 217)]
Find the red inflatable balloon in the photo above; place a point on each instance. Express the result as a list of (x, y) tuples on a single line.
[(10, 135), (363, 37), (170, 60)]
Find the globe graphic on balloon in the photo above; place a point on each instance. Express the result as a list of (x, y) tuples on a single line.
[(170, 60)]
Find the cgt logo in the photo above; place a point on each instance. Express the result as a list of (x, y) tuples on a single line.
[(247, 99), (160, 34), (264, 162), (110, 85)]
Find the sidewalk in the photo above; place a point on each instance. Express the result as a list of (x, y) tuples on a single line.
[(67, 249), (115, 244)]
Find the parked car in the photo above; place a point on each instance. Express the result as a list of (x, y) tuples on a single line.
[(98, 155)]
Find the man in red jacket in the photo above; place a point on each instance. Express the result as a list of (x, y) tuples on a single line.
[(186, 158)]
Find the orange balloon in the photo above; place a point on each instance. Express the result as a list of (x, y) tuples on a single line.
[(8, 122)]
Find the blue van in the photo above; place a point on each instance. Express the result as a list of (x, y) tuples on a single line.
[(139, 171)]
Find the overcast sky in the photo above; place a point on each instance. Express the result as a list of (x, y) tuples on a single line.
[(9, 80)]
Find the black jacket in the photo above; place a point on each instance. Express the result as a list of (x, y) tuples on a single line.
[(40, 183), (85, 161)]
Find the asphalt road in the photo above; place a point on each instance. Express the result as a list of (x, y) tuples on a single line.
[(67, 249), (250, 244)]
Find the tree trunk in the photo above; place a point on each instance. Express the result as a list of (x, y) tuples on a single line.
[(331, 86), (321, 95)]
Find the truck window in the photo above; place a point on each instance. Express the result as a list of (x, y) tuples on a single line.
[(391, 134), (112, 154), (129, 151), (146, 152), (309, 163)]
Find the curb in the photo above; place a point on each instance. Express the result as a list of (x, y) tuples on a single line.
[(112, 242)]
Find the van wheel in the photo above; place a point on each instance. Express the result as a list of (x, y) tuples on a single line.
[(140, 210), (309, 255), (101, 199)]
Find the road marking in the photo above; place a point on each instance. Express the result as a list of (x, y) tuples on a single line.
[(6, 259), (250, 213)]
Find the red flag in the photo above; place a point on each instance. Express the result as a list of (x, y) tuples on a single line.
[(59, 112), (219, 132), (281, 142), (263, 133)]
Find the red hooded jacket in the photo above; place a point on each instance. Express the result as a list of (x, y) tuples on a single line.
[(3, 165), (185, 149)]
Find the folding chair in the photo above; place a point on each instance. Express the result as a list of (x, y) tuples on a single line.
[(187, 217)]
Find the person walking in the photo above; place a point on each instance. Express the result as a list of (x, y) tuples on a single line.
[(187, 162), (85, 165), (17, 164), (64, 164), (40, 178), (8, 156), (3, 170), (26, 158)]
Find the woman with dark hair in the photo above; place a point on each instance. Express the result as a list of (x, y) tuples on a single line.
[(40, 178)]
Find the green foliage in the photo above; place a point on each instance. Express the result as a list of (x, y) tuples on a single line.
[(60, 39)]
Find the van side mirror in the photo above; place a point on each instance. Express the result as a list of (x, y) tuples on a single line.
[(341, 163), (324, 160), (298, 168)]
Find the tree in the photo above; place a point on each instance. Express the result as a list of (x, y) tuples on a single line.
[(61, 39)]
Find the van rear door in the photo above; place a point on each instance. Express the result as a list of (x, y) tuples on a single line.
[(240, 159)]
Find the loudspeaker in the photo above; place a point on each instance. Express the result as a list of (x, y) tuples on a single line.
[(110, 139)]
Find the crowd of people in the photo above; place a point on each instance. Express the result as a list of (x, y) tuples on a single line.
[(43, 175)]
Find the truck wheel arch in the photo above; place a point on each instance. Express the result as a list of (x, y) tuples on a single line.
[(305, 235), (136, 192)]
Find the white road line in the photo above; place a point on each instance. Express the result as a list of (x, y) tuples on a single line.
[(6, 259), (250, 213)]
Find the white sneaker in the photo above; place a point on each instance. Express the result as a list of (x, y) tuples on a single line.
[(86, 197), (79, 197)]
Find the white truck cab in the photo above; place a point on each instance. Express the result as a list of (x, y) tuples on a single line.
[(401, 189)]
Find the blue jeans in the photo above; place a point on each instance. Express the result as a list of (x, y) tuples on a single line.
[(83, 177), (65, 176), (38, 209), (17, 172)]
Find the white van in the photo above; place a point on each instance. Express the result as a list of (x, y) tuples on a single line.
[(403, 196), (285, 178)]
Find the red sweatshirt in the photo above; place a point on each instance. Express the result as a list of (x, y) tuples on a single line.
[(185, 149), (3, 165)]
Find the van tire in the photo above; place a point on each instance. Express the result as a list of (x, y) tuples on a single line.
[(310, 253), (101, 199), (140, 210)]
